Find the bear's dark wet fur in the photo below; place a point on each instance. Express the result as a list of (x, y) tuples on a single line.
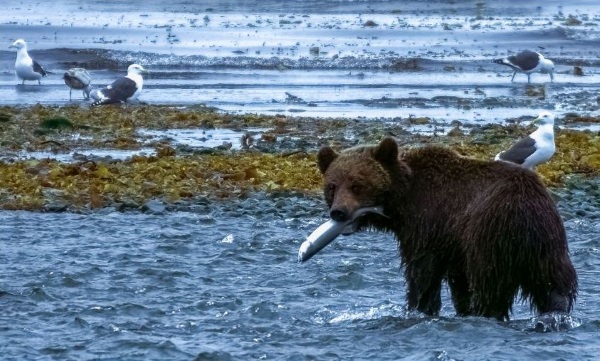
[(489, 229)]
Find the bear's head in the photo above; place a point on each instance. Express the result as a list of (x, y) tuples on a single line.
[(363, 177)]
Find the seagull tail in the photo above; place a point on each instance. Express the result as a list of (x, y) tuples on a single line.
[(103, 101), (98, 102)]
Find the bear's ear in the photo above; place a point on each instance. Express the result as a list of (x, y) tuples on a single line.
[(386, 151), (325, 156)]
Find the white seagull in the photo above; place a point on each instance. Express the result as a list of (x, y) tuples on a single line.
[(25, 67), (528, 62), (123, 89), (534, 149), (79, 79)]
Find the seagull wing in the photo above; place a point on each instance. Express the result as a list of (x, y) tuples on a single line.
[(525, 60), (119, 91), (38, 68), (519, 151), (77, 78)]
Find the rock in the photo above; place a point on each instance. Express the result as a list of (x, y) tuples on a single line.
[(154, 206), (55, 206), (54, 200), (455, 132)]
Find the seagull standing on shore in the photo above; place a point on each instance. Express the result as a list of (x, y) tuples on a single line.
[(79, 79), (25, 67), (123, 89), (534, 149), (528, 62)]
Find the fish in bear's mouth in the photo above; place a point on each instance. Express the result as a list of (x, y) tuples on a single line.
[(329, 230)]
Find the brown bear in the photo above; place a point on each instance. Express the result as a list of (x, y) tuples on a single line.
[(488, 228)]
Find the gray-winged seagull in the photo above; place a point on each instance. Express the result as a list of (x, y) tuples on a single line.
[(25, 67), (528, 62), (123, 89), (534, 149), (78, 79)]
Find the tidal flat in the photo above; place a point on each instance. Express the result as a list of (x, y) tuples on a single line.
[(79, 158)]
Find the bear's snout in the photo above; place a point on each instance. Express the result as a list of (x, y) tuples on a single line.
[(339, 214), (344, 204)]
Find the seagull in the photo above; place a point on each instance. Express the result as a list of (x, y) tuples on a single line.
[(528, 62), (79, 79), (534, 149), (123, 89), (25, 67)]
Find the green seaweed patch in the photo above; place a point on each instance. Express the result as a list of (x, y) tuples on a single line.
[(576, 118), (572, 21), (56, 123), (102, 127), (405, 64), (419, 120), (535, 91), (5, 117), (34, 184), (52, 185)]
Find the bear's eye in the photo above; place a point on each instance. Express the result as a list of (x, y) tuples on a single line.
[(356, 188), (330, 189)]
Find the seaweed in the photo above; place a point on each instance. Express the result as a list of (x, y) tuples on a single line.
[(282, 159)]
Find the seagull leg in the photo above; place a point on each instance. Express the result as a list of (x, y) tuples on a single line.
[(513, 77), (529, 78), (39, 82)]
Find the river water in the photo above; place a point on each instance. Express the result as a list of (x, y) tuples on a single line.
[(219, 280)]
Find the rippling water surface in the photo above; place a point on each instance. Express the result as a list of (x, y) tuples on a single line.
[(220, 281)]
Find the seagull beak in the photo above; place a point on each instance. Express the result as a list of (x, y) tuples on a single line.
[(536, 120)]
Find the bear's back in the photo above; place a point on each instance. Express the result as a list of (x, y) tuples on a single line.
[(449, 183), (441, 166)]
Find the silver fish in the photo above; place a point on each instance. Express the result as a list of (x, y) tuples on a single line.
[(329, 231)]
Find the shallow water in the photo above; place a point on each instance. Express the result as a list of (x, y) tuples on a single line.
[(247, 57), (220, 281)]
